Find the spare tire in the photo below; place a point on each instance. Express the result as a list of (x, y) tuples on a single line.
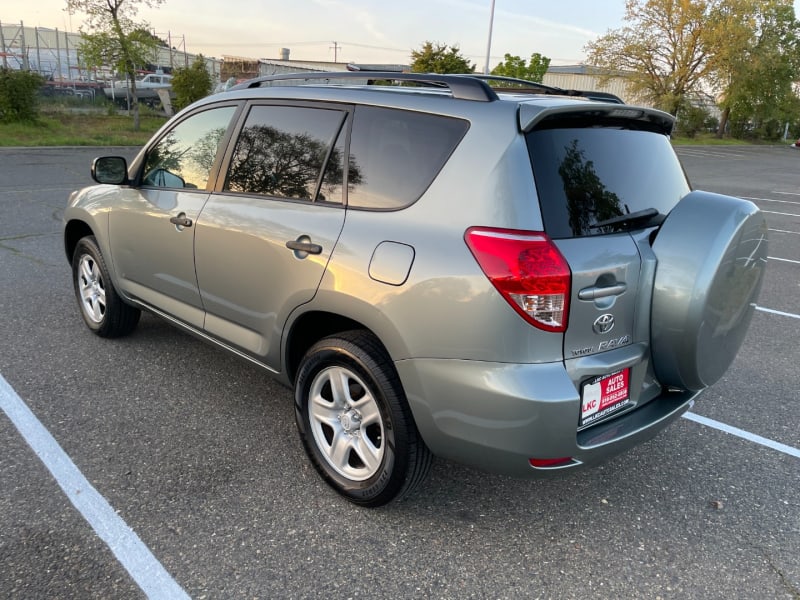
[(712, 252)]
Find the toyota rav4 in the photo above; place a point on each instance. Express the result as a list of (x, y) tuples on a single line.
[(520, 280)]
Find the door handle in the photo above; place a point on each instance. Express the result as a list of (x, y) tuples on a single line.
[(595, 292), (303, 246), (181, 220)]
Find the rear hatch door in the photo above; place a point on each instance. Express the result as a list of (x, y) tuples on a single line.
[(604, 181)]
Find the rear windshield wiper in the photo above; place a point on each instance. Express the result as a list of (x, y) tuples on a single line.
[(647, 217)]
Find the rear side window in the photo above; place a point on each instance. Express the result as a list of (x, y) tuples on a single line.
[(282, 150), (395, 155), (584, 176)]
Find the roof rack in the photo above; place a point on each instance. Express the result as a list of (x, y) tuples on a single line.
[(518, 85), (524, 86), (464, 87)]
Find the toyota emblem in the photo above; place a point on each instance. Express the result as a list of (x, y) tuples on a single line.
[(603, 324)]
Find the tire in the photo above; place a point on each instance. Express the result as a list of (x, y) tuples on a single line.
[(102, 309), (355, 423)]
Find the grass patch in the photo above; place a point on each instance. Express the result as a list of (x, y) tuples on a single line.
[(75, 129), (711, 139)]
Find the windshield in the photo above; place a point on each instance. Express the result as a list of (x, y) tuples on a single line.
[(586, 176)]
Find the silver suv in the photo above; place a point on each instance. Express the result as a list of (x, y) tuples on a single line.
[(517, 280)]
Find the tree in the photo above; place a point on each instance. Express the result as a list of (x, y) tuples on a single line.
[(662, 50), (755, 61), (191, 84), (692, 120), (18, 91), (115, 39), (514, 66), (439, 58)]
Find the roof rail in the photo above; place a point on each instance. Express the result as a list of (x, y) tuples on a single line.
[(523, 86), (518, 83), (464, 87)]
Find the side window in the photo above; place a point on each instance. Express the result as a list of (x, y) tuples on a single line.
[(282, 151), (183, 157), (396, 154)]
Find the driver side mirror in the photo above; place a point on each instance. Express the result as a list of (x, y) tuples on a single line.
[(110, 169)]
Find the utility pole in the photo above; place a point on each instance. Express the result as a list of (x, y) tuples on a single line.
[(3, 47), (489, 43), (335, 48)]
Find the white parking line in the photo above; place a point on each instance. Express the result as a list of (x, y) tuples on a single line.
[(789, 260), (759, 199), (134, 556), (795, 202), (683, 151), (772, 212), (787, 193), (785, 231), (777, 312), (743, 434)]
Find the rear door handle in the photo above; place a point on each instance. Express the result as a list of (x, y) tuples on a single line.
[(303, 246), (595, 292)]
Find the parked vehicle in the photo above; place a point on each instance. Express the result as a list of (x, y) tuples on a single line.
[(520, 281), (147, 88)]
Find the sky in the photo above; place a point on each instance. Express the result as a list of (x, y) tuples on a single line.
[(365, 31), (361, 31)]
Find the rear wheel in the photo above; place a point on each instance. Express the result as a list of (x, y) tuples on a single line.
[(355, 423), (102, 309)]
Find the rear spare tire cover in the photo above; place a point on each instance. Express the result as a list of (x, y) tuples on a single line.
[(712, 252)]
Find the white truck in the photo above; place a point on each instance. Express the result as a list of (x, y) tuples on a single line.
[(147, 88)]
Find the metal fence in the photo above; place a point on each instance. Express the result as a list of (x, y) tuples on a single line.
[(56, 56)]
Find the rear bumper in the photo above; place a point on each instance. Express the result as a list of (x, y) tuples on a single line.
[(496, 416)]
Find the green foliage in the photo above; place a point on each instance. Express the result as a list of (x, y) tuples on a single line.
[(661, 50), (18, 101), (439, 58), (746, 51), (756, 66), (115, 39), (191, 84), (514, 66), (691, 120), (124, 56)]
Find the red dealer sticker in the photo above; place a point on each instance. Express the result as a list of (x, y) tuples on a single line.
[(603, 396)]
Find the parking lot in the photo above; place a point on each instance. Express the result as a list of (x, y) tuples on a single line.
[(203, 489)]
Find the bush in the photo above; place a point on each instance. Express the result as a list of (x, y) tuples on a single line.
[(692, 120), (191, 84), (18, 95)]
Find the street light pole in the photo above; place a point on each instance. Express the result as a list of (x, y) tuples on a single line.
[(489, 43)]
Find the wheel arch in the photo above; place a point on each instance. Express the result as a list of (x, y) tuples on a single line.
[(310, 327), (74, 230)]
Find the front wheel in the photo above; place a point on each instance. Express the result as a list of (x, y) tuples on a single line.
[(355, 423), (102, 309)]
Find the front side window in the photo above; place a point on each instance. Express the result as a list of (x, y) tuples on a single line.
[(183, 157), (282, 151)]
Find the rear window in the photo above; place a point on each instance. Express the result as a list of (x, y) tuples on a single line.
[(395, 155), (585, 176)]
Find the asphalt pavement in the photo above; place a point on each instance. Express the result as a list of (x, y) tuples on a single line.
[(197, 455)]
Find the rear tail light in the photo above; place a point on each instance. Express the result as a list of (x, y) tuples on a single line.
[(528, 271)]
